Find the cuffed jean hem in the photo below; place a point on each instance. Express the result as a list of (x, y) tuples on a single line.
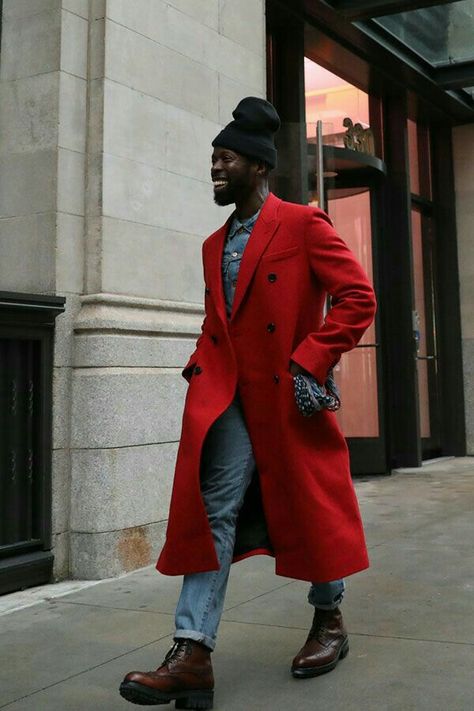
[(332, 606), (326, 596), (196, 637)]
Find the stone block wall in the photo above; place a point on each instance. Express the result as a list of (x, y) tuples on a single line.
[(107, 112), (43, 88), (164, 77)]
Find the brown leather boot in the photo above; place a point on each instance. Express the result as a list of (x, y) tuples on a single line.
[(185, 676), (327, 643)]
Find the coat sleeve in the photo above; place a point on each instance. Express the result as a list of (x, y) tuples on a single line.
[(353, 300), (187, 371)]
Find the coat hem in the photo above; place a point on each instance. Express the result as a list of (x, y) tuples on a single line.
[(254, 551), (327, 578)]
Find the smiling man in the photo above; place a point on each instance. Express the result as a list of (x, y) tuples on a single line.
[(254, 473)]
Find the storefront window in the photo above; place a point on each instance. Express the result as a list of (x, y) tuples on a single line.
[(419, 159), (356, 374), (338, 104), (330, 99), (413, 157), (420, 323)]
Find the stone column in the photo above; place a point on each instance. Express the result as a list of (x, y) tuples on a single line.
[(163, 77), (107, 111), (43, 72)]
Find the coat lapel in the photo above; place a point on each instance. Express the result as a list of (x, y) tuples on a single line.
[(262, 233), (213, 267)]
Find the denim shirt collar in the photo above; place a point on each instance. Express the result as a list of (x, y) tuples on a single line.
[(247, 224)]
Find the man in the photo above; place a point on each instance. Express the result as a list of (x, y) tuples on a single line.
[(253, 475)]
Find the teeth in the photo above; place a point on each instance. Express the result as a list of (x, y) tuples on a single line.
[(219, 183)]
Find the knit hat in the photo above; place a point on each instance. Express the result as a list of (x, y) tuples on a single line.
[(252, 132)]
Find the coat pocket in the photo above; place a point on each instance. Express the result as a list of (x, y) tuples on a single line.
[(283, 254)]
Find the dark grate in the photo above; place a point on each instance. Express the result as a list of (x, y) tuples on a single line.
[(19, 391), (26, 369)]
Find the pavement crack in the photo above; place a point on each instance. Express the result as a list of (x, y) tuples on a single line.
[(244, 602), (85, 671), (111, 607), (352, 634)]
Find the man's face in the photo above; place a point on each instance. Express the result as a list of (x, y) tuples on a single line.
[(233, 176)]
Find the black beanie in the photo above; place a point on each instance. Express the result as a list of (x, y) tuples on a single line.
[(252, 132)]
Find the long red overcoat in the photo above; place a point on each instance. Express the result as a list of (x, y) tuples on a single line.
[(301, 506)]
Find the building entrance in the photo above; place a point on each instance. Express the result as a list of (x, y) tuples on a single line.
[(424, 278), (352, 174)]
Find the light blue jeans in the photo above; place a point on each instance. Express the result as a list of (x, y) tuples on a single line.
[(227, 467)]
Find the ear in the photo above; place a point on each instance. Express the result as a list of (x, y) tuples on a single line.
[(262, 169)]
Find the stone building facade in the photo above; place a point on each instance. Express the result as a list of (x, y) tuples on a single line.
[(107, 112)]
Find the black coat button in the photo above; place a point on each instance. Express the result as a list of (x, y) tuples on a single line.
[(272, 277), (276, 378), (207, 291), (197, 370), (214, 340), (271, 327)]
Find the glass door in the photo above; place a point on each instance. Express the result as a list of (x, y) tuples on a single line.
[(424, 332), (424, 281), (351, 175), (358, 374)]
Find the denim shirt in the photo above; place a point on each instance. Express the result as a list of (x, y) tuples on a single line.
[(237, 238)]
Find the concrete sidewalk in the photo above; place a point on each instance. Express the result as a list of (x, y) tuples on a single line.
[(410, 618)]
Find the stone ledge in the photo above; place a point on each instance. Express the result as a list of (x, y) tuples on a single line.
[(116, 313), (137, 349)]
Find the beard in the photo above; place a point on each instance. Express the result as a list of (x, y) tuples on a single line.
[(237, 189), (224, 196)]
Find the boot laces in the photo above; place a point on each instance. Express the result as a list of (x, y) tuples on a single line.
[(176, 651), (316, 629), (319, 627)]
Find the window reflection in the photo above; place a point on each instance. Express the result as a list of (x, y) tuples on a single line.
[(420, 323), (330, 99), (356, 374)]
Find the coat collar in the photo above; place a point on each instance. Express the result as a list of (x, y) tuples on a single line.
[(263, 231)]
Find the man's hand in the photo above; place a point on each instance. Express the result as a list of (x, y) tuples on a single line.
[(296, 369)]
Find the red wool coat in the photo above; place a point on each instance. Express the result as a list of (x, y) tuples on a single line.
[(301, 506)]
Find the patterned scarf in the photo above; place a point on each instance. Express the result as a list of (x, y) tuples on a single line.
[(312, 397)]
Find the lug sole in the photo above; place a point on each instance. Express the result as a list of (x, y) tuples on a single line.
[(188, 699), (308, 672)]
